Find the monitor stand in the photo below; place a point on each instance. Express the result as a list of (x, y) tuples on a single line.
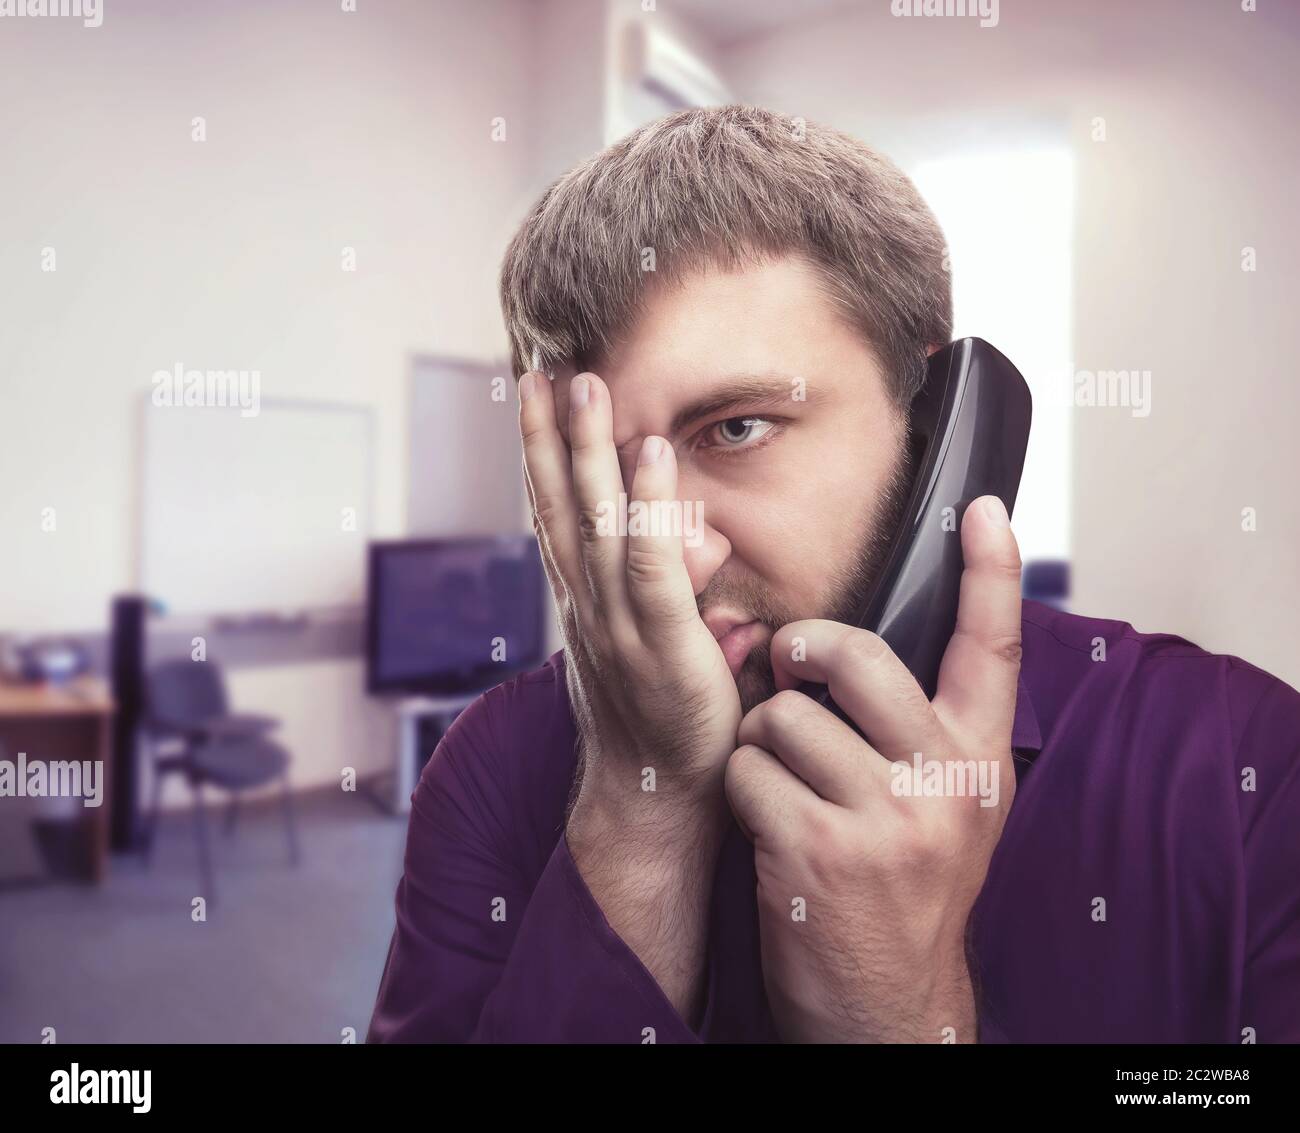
[(421, 723)]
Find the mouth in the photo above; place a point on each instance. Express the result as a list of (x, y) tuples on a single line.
[(736, 638)]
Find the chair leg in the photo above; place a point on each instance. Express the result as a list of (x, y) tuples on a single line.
[(205, 855), (286, 801), (155, 804), (232, 813)]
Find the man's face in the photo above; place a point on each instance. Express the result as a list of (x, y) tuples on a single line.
[(785, 435)]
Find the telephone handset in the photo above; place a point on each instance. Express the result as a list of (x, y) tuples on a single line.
[(969, 429)]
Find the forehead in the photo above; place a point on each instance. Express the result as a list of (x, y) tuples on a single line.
[(773, 319), (768, 316)]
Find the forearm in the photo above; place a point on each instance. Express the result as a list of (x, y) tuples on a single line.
[(648, 858)]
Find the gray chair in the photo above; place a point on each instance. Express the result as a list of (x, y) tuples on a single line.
[(193, 733)]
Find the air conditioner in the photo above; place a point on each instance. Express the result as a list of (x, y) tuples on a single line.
[(658, 63)]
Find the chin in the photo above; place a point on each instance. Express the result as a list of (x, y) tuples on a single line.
[(755, 682)]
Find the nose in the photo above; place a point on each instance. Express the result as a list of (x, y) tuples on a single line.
[(703, 561), (704, 547)]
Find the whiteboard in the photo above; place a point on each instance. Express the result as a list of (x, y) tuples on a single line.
[(460, 434), (269, 512)]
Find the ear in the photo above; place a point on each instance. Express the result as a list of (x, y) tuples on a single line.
[(932, 348)]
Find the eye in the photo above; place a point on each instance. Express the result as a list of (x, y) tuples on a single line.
[(738, 432)]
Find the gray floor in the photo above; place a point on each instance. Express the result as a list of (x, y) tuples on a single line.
[(286, 955)]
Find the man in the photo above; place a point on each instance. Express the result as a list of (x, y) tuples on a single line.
[(657, 837)]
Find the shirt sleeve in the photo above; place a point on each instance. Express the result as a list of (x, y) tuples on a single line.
[(1268, 766), (484, 953)]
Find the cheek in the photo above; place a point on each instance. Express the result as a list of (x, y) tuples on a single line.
[(817, 537), (755, 530), (784, 541), (807, 517)]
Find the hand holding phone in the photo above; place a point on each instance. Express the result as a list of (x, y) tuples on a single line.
[(880, 846), (887, 869)]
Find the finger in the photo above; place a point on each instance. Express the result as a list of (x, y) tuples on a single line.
[(817, 746), (981, 666), (865, 678), (597, 483), (548, 561), (559, 588), (766, 797), (658, 585), (549, 480)]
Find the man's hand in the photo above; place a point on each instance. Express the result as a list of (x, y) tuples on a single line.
[(650, 688), (866, 876)]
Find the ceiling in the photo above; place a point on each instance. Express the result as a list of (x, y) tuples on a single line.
[(724, 22)]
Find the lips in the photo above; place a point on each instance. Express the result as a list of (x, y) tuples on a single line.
[(736, 636), (721, 622)]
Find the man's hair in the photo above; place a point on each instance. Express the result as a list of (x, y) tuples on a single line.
[(726, 187)]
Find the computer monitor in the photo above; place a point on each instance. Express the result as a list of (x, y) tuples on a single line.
[(453, 616)]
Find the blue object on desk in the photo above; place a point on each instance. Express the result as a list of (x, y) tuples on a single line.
[(1047, 581)]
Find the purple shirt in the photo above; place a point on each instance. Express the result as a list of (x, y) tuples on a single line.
[(1130, 788)]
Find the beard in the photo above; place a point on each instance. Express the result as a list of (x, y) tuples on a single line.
[(849, 584)]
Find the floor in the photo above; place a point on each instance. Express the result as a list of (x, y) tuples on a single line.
[(286, 954)]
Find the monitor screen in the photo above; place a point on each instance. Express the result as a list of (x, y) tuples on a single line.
[(449, 616)]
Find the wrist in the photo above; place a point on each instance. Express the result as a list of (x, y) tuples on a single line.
[(946, 1012), (649, 861), (661, 833), (642, 788)]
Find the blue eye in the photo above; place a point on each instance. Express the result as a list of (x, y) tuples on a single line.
[(738, 432)]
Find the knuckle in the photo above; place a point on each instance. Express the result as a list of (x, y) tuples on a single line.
[(646, 567), (835, 850), (586, 440), (1008, 566), (532, 428), (918, 845), (546, 512), (863, 649), (591, 523), (743, 764), (786, 707), (827, 838), (1006, 647)]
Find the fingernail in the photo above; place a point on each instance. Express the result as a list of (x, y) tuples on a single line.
[(526, 386), (651, 449), (579, 390), (996, 512)]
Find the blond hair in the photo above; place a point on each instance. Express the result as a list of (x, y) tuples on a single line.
[(726, 187)]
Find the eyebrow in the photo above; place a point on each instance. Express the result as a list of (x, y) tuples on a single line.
[(742, 391)]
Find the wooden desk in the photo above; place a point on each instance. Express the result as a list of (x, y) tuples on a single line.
[(69, 721)]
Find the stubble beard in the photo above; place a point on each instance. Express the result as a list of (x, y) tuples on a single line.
[(848, 588)]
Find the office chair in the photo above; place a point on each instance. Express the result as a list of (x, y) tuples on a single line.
[(187, 714)]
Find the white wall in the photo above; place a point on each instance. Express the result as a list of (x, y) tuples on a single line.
[(325, 129), (372, 130), (1200, 159)]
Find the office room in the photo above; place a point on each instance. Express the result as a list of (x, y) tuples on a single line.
[(268, 532)]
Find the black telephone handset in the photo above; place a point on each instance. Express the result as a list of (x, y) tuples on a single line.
[(969, 429)]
